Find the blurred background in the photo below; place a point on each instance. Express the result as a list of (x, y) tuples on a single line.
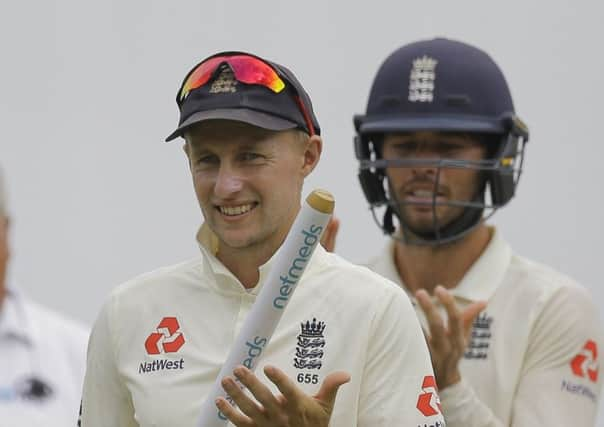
[(88, 96)]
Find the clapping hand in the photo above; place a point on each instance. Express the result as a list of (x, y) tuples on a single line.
[(448, 342)]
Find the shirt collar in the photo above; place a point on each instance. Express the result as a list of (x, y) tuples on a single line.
[(225, 280), (480, 281), (486, 274), (15, 320)]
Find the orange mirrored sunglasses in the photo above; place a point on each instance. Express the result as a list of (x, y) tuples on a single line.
[(247, 69)]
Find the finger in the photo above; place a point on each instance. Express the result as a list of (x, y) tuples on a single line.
[(435, 321), (260, 391), (286, 386), (455, 326), (334, 227), (281, 400), (469, 315), (233, 415), (328, 240), (329, 389), (245, 404)]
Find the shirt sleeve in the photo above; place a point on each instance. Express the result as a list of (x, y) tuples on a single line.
[(559, 384), (398, 387), (106, 401), (462, 407)]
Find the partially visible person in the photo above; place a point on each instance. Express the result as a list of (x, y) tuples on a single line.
[(42, 353), (440, 149)]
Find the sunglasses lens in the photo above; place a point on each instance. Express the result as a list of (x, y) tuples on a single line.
[(200, 76), (251, 70), (247, 69)]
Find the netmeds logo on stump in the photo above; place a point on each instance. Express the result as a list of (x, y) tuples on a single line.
[(254, 349), (289, 280)]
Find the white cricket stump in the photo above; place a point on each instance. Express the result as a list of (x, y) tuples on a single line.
[(261, 322)]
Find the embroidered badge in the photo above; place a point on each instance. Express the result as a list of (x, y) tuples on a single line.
[(478, 347), (309, 349)]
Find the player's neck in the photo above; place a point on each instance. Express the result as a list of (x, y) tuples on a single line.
[(425, 267), (245, 262)]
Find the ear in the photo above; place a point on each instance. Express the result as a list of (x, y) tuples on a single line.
[(312, 154), (187, 149)]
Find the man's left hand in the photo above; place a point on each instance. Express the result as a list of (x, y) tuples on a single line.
[(328, 239), (292, 408)]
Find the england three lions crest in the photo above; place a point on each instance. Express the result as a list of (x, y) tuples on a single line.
[(422, 79), (309, 349), (480, 340)]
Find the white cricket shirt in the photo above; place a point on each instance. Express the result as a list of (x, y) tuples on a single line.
[(533, 357), (159, 342), (42, 363)]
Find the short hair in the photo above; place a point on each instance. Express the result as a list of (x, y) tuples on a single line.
[(302, 136), (3, 208)]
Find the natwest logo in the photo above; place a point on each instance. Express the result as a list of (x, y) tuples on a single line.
[(167, 339), (586, 362), (428, 402)]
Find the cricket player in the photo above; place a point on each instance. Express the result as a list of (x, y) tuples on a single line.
[(440, 150), (348, 351)]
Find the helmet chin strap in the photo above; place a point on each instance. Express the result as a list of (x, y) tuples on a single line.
[(388, 223)]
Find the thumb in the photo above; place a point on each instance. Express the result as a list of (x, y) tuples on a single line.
[(327, 393)]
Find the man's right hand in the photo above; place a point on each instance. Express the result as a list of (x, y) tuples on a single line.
[(447, 341)]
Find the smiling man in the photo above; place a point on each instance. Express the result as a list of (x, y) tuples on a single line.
[(440, 150), (251, 138)]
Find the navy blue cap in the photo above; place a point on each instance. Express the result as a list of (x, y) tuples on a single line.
[(440, 85), (223, 97)]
